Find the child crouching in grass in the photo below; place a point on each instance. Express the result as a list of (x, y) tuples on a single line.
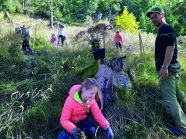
[(81, 99), (53, 40), (26, 46)]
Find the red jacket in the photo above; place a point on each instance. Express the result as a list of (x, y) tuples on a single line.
[(118, 38), (74, 111)]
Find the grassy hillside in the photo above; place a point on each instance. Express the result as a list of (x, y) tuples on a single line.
[(33, 88)]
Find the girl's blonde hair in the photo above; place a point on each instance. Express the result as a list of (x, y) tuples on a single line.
[(89, 84)]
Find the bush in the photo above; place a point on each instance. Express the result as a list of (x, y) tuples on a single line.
[(127, 21)]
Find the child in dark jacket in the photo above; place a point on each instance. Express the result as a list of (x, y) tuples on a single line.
[(25, 45), (80, 101)]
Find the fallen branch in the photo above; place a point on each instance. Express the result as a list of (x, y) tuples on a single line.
[(37, 22), (26, 20)]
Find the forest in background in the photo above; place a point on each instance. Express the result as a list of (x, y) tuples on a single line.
[(79, 11)]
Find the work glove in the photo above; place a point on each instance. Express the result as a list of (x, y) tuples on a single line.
[(78, 133), (109, 133), (27, 50)]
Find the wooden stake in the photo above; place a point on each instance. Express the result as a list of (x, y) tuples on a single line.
[(141, 47), (8, 17)]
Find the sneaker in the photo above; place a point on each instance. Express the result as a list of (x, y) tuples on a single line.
[(129, 48), (177, 132)]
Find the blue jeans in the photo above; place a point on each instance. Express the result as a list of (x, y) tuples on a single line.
[(62, 39), (118, 45), (85, 125)]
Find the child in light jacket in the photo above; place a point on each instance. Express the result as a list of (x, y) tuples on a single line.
[(80, 101), (61, 34)]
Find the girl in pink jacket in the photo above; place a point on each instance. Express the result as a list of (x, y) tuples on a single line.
[(81, 99), (118, 40)]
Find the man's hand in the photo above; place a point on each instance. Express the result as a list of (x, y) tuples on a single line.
[(163, 73)]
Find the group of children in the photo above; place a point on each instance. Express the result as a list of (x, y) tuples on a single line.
[(61, 36)]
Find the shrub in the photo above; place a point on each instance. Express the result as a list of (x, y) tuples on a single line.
[(127, 21)]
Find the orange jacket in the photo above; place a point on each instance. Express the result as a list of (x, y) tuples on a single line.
[(74, 111)]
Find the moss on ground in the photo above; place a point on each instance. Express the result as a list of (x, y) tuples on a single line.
[(89, 71)]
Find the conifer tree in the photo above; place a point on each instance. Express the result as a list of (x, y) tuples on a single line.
[(127, 21)]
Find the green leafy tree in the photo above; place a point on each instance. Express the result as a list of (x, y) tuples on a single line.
[(127, 21), (146, 24), (49, 5), (103, 7), (179, 9), (12, 5), (81, 9), (116, 8), (110, 8), (174, 13), (171, 14)]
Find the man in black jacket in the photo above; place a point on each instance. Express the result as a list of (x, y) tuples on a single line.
[(166, 54)]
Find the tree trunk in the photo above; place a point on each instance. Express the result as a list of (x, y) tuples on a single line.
[(23, 4), (103, 33), (0, 6), (110, 77), (128, 4), (109, 11), (51, 19), (141, 48)]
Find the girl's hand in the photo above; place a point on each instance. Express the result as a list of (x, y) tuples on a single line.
[(76, 132), (109, 132)]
